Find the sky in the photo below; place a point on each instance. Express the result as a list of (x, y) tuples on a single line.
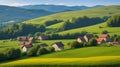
[(60, 2)]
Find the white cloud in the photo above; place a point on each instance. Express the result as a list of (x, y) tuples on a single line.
[(14, 4)]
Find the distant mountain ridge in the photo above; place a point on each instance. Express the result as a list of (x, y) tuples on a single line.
[(58, 8), (8, 13)]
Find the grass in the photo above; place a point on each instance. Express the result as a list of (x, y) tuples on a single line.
[(95, 12), (8, 44), (85, 52), (94, 29), (90, 56), (100, 60)]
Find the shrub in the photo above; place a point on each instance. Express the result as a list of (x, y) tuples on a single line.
[(92, 42), (33, 51), (76, 44), (12, 53), (2, 57), (104, 32), (42, 51), (51, 49), (114, 21)]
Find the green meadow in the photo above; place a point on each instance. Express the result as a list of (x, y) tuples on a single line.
[(90, 56), (95, 29)]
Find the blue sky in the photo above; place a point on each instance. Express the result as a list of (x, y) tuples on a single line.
[(60, 2)]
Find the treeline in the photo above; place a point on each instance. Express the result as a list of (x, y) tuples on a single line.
[(48, 23), (13, 53), (81, 22), (66, 36), (114, 21), (10, 54), (15, 30)]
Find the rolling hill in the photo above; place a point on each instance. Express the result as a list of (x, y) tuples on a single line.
[(94, 29), (94, 12), (10, 14), (58, 8)]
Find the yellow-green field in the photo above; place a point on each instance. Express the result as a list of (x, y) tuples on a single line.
[(89, 61), (90, 56)]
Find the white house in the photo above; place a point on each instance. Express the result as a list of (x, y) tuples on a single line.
[(58, 46)]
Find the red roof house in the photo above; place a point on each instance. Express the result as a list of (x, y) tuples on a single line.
[(106, 37), (100, 40)]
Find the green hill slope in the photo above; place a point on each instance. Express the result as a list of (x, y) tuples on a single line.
[(94, 12), (94, 29), (82, 57)]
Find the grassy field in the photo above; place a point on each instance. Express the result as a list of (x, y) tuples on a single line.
[(91, 56), (95, 29), (85, 52), (8, 44)]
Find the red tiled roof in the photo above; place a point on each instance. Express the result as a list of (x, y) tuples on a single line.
[(28, 44), (99, 39), (22, 43), (103, 35), (31, 38)]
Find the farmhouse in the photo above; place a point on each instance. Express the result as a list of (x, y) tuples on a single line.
[(81, 39), (27, 46), (100, 40), (42, 37), (43, 45), (58, 46), (88, 37), (31, 39), (22, 38), (22, 44), (106, 37)]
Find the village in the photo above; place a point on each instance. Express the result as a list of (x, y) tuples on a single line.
[(27, 42)]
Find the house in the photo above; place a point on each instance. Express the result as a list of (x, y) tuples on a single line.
[(88, 37), (31, 39), (58, 46), (81, 39), (100, 40), (43, 45), (42, 37), (22, 44), (22, 38), (27, 46), (106, 37)]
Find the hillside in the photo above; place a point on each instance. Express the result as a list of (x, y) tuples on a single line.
[(82, 57), (10, 14), (94, 29), (94, 12), (58, 8)]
